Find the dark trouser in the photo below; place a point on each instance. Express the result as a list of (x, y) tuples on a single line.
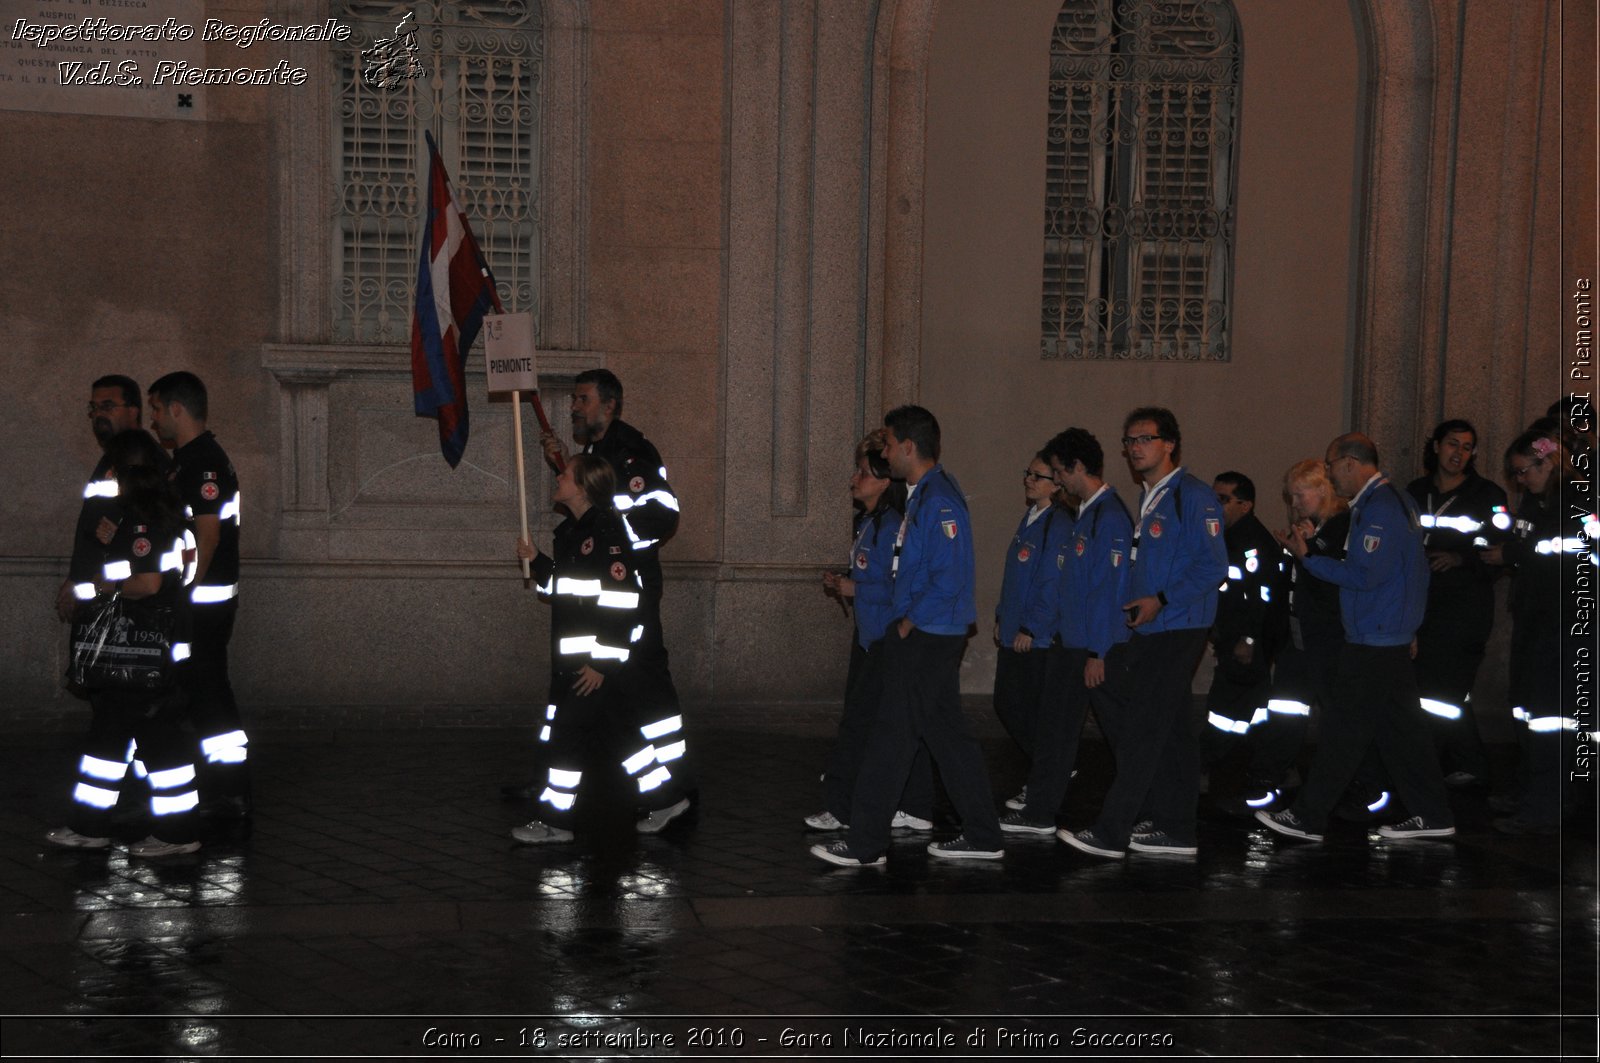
[(1543, 676), (1146, 694), (1450, 647), (143, 727), (1238, 696), (862, 700), (1018, 681), (576, 729), (921, 703), (649, 689), (1302, 678), (1062, 708), (223, 745), (1374, 705)]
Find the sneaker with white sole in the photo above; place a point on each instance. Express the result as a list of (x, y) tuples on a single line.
[(825, 820), (1013, 823), (1087, 841), (910, 822), (1160, 842), (961, 849), (654, 822), (153, 846), (1019, 802), (1288, 824), (838, 854), (537, 833), (1143, 829), (1416, 827), (68, 838)]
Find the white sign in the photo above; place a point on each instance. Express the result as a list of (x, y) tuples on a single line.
[(508, 347)]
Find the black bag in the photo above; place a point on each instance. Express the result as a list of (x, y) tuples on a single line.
[(122, 645)]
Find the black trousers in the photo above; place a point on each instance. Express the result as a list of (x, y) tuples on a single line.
[(921, 703), (1237, 692), (1018, 681), (1063, 707), (1303, 678), (1450, 648), (863, 699), (224, 769), (149, 723), (1374, 706), (1145, 700)]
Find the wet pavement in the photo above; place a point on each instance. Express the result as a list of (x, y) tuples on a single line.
[(379, 909)]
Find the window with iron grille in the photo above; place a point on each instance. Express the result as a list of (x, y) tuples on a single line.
[(478, 93), (1139, 198)]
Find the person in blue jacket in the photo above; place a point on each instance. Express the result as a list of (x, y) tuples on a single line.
[(1024, 618), (880, 503), (1091, 562), (1383, 593), (1179, 560), (934, 610)]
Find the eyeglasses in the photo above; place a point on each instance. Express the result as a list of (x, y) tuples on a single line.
[(1519, 471), (1138, 441), (1029, 475), (108, 406), (1327, 466)]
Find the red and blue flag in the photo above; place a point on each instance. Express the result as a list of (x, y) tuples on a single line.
[(454, 291)]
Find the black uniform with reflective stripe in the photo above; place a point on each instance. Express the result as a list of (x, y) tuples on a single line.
[(88, 552), (638, 466), (1242, 610), (593, 551), (206, 482), (1316, 601)]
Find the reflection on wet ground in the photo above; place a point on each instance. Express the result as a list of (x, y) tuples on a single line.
[(380, 908)]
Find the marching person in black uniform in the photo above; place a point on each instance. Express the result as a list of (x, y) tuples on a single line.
[(596, 595), (113, 407), (649, 510), (209, 490), (1383, 587), (1303, 675), (1460, 512), (137, 722), (1252, 621), (1550, 637)]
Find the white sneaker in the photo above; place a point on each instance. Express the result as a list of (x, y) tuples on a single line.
[(655, 821), (68, 838), (536, 833), (153, 846), (910, 822), (825, 820)]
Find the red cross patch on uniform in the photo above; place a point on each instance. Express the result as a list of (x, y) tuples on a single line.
[(636, 485), (861, 561), (1079, 547), (1024, 554), (1371, 543), (587, 548), (1155, 529), (141, 547), (619, 571), (949, 527), (209, 491), (1213, 527)]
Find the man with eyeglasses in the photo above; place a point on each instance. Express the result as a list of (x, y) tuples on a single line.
[(209, 487), (113, 407), (1383, 591), (1178, 561)]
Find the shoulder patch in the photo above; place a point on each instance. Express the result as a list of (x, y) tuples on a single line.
[(1116, 558), (636, 485), (950, 528), (1213, 527), (1024, 554), (1371, 543), (616, 549), (1155, 529), (209, 491), (619, 571), (861, 561), (588, 547), (141, 547)]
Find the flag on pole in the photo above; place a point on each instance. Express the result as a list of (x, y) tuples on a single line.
[(454, 291)]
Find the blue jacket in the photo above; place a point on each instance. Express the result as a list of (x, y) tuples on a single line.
[(1027, 589), (935, 577), (872, 568), (1179, 553), (1383, 579), (1094, 583)]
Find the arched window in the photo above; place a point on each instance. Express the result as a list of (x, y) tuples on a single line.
[(479, 95), (1139, 198)]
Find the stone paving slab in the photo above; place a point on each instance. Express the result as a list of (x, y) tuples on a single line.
[(379, 895)]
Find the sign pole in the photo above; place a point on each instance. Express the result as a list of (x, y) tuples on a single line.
[(522, 482)]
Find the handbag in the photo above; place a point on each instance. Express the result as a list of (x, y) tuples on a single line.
[(122, 645)]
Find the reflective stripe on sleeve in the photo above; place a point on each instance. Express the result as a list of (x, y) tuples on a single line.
[(1442, 709), (83, 591), (100, 489), (116, 570)]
